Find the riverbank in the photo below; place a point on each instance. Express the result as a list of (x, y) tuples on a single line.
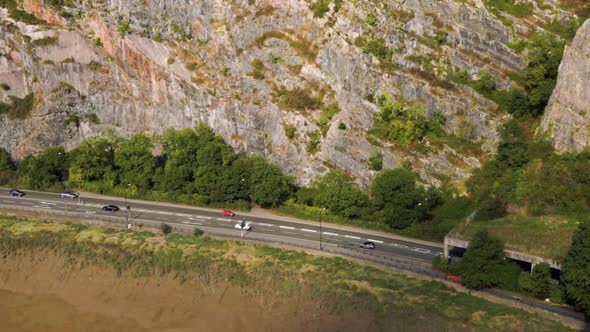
[(179, 283)]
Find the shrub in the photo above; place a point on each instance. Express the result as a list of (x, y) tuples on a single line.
[(290, 131), (376, 160), (299, 99), (313, 145), (258, 70), (123, 26), (320, 8), (342, 126), (165, 228), (45, 41), (198, 232), (19, 108)]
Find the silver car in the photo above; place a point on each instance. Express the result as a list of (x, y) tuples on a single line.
[(68, 194)]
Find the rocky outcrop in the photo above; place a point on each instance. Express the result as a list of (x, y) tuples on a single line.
[(567, 116), (143, 66)]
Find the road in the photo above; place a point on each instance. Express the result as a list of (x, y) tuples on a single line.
[(206, 218)]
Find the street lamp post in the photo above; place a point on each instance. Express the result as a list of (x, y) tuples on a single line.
[(321, 246), (127, 207)]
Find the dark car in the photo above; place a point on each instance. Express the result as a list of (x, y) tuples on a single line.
[(367, 245), (16, 192), (110, 208)]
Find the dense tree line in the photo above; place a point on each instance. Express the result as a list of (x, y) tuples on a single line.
[(194, 166)]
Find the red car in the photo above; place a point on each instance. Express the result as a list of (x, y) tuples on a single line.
[(227, 213)]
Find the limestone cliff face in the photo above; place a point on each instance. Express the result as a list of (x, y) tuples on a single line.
[(133, 66), (567, 116)]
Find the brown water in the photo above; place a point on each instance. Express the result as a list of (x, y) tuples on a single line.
[(43, 292), (19, 312)]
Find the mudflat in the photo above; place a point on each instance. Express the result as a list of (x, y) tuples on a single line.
[(44, 292)]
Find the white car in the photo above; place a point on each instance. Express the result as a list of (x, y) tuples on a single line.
[(68, 194), (246, 226)]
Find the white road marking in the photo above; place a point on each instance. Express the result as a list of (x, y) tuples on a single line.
[(352, 237), (224, 219), (45, 207), (287, 227), (192, 223), (399, 245), (205, 217), (308, 230), (46, 203), (424, 251), (328, 233), (197, 219), (375, 241), (264, 224)]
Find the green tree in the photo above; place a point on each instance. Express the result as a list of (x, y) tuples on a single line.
[(6, 163), (269, 187), (180, 155), (541, 277), (235, 182), (575, 272), (94, 160), (395, 198), (482, 261), (516, 103), (46, 169), (544, 57), (135, 162), (337, 193), (513, 149)]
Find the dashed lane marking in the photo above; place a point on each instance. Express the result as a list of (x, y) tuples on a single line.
[(352, 237), (264, 224), (421, 250), (192, 223), (308, 230), (287, 227), (224, 219), (400, 245), (328, 233), (375, 241)]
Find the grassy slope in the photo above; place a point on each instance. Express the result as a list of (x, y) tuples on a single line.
[(395, 299), (545, 236)]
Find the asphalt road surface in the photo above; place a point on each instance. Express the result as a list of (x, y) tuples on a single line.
[(171, 214)]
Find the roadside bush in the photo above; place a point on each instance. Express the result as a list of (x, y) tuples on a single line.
[(198, 232), (525, 282), (165, 228)]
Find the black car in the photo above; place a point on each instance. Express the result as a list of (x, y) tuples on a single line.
[(110, 208), (367, 245), (16, 192)]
